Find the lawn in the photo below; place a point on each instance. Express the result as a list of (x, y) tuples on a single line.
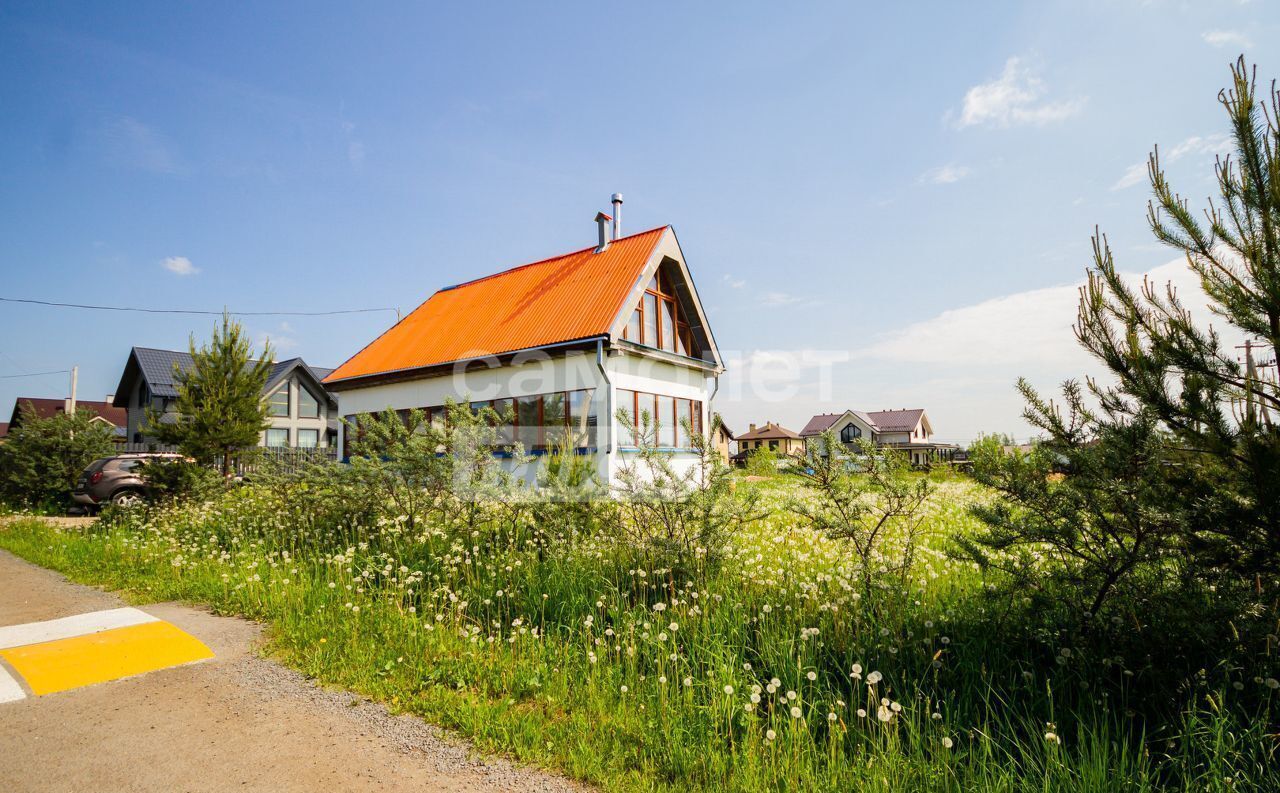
[(773, 668)]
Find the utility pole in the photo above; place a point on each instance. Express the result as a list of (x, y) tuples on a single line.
[(1255, 380), (75, 375)]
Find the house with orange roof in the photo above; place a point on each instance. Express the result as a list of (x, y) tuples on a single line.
[(563, 343)]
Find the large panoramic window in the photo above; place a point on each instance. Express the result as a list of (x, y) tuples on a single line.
[(308, 405), (850, 433), (539, 422), (665, 416), (279, 404), (658, 321)]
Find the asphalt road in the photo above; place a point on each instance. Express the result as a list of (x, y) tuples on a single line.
[(234, 722)]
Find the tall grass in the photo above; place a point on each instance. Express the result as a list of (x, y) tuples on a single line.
[(771, 670)]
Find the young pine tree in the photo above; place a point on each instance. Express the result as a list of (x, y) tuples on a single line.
[(220, 410), (1162, 483), (1221, 415)]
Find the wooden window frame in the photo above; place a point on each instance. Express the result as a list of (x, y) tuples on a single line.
[(660, 289), (695, 419)]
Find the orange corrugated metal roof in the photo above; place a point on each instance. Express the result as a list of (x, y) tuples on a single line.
[(574, 296)]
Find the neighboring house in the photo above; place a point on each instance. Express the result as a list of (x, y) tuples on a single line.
[(103, 412), (908, 431), (771, 436), (722, 439), (4, 430), (564, 343), (302, 413)]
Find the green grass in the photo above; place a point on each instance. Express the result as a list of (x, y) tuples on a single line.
[(567, 652)]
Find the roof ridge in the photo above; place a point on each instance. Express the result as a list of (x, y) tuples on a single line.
[(519, 267)]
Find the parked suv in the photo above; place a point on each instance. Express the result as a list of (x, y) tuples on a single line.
[(115, 480)]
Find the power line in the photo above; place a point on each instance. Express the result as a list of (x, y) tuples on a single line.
[(34, 374), (195, 311)]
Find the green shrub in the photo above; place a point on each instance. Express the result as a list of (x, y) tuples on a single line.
[(173, 479), (42, 458)]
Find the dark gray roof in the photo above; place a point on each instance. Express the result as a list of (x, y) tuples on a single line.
[(157, 367)]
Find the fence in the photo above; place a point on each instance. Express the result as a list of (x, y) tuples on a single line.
[(288, 458)]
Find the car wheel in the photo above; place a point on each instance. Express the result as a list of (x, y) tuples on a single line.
[(127, 499)]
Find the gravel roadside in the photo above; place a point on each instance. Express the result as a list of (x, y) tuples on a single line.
[(238, 720)]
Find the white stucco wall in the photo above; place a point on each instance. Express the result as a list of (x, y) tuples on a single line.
[(543, 373)]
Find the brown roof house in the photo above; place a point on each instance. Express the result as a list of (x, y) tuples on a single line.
[(43, 408), (907, 430), (771, 436)]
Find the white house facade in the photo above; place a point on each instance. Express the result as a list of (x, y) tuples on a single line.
[(907, 430), (561, 344)]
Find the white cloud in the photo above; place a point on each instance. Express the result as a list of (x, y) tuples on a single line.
[(946, 174), (1227, 38), (1209, 145), (180, 265), (734, 283), (1014, 98), (280, 340), (779, 299), (1018, 330)]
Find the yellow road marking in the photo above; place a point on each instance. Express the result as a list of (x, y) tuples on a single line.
[(107, 655)]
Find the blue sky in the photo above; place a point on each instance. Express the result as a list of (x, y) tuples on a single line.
[(908, 188)]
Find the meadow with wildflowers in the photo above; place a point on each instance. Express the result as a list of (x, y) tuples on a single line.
[(770, 669)]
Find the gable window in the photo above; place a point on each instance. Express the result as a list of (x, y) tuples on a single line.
[(277, 437), (658, 320), (279, 403), (650, 316), (850, 433), (308, 405), (633, 326), (668, 337)]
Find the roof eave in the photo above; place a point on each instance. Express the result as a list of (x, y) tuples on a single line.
[(436, 369)]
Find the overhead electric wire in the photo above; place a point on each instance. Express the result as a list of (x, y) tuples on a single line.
[(195, 311), (34, 374)]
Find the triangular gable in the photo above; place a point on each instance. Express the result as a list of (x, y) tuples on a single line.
[(283, 370), (668, 250), (854, 417)]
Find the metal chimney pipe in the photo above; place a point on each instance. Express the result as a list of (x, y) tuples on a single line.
[(617, 215), (602, 224)]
